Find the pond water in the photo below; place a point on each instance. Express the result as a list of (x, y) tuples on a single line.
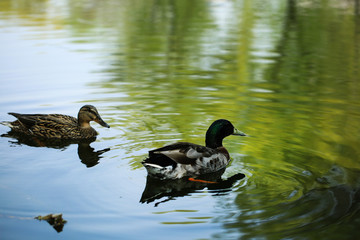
[(287, 73)]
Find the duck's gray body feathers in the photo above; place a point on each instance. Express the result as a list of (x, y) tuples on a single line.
[(185, 159)]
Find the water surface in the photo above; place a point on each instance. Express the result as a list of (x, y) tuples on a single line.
[(285, 73)]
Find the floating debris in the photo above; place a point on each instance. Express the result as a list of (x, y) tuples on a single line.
[(55, 220)]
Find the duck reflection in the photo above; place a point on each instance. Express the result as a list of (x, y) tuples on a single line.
[(86, 153), (171, 189)]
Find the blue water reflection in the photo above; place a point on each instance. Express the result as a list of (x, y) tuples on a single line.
[(284, 72)]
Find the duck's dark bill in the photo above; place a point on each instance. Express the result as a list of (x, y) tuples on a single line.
[(238, 133), (102, 123)]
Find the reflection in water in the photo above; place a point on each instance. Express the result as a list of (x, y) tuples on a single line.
[(86, 153), (171, 189), (335, 199), (317, 209), (329, 205), (279, 69), (88, 156)]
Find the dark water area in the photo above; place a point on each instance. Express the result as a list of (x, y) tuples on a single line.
[(287, 73)]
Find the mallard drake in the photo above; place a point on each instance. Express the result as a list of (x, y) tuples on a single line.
[(183, 159), (58, 126)]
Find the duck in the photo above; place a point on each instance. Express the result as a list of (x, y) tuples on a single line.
[(58, 126), (184, 159)]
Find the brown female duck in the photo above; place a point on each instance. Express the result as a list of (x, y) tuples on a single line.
[(58, 126)]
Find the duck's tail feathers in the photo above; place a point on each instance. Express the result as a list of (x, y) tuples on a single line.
[(151, 165), (159, 160), (157, 170)]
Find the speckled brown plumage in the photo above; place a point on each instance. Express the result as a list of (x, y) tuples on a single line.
[(57, 125)]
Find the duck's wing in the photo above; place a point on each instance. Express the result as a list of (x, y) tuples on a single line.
[(51, 121), (183, 152), (27, 120)]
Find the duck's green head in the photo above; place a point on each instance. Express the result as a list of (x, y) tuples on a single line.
[(218, 130), (89, 113)]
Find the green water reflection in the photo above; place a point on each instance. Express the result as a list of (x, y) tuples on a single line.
[(285, 72)]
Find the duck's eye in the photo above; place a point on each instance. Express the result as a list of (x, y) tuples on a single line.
[(93, 112)]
